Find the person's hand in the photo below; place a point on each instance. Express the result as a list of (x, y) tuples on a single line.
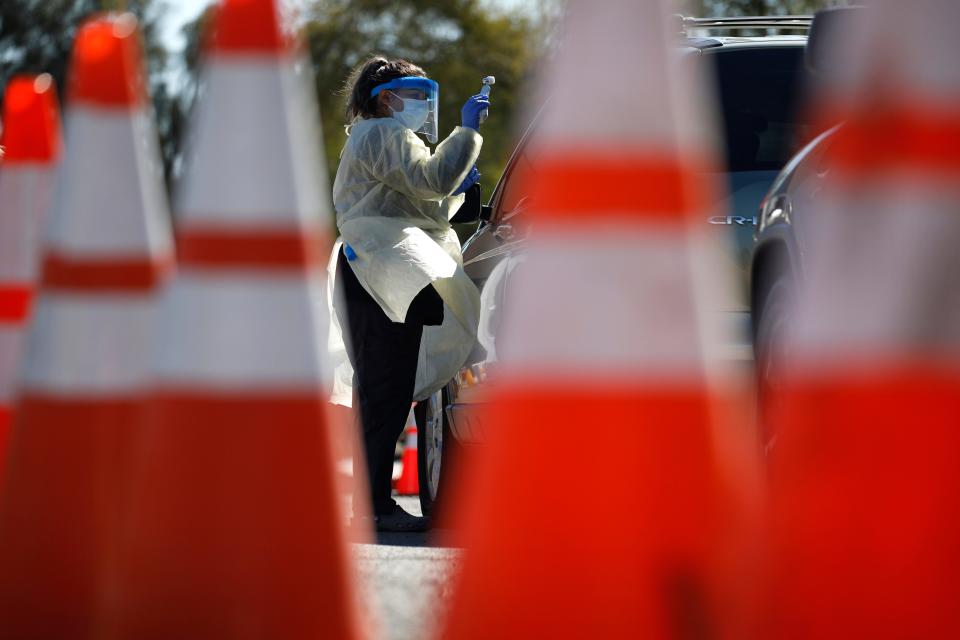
[(472, 177), (472, 108)]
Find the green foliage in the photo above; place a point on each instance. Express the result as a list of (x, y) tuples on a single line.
[(457, 42), (183, 93), (36, 36)]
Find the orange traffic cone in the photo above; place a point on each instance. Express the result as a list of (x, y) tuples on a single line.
[(31, 142), (408, 484), (603, 329), (238, 529), (84, 374), (864, 484)]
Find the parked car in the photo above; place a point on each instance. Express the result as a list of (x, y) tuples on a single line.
[(759, 79), (777, 260)]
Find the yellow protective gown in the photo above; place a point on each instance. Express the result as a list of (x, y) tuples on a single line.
[(393, 208)]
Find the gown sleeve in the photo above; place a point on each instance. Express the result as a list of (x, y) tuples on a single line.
[(401, 160)]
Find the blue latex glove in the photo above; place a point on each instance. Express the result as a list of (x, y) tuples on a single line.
[(472, 108), (472, 177), (349, 252)]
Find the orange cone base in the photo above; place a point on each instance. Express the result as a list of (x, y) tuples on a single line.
[(622, 551), (865, 517), (409, 482), (67, 479), (237, 528), (6, 422)]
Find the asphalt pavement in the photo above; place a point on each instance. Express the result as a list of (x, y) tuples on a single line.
[(404, 581)]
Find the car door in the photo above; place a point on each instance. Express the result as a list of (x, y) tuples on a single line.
[(507, 229)]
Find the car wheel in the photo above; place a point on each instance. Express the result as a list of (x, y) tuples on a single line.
[(433, 441), (769, 345)]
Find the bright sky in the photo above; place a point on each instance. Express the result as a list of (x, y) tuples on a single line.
[(180, 13)]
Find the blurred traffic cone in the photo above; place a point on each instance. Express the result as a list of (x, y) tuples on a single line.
[(31, 143), (84, 370), (408, 484), (603, 329), (864, 484), (238, 530)]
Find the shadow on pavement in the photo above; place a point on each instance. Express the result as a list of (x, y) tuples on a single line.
[(422, 539), (437, 539)]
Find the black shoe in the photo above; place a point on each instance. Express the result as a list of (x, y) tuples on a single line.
[(399, 521)]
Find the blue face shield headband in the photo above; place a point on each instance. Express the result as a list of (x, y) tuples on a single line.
[(419, 113)]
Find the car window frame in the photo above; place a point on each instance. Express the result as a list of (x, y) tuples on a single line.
[(496, 198)]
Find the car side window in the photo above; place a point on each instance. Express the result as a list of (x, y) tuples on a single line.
[(515, 187)]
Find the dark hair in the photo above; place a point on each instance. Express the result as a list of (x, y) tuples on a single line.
[(367, 75)]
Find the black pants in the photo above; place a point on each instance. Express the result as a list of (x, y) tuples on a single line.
[(384, 357)]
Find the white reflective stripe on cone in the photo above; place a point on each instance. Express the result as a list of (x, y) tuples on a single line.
[(101, 189), (11, 339), (629, 290), (25, 197), (860, 302), (652, 122), (242, 330), (88, 346), (921, 62), (410, 442), (268, 175)]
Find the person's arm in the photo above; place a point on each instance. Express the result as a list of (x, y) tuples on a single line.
[(404, 163)]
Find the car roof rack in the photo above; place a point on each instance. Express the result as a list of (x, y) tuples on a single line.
[(801, 22)]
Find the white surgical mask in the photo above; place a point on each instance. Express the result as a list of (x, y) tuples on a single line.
[(414, 113)]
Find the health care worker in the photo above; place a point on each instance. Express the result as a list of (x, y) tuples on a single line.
[(410, 310)]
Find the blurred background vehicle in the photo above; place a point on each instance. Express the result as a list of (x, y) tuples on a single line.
[(759, 81), (776, 262), (777, 259)]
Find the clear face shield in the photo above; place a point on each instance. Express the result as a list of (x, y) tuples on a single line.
[(414, 102)]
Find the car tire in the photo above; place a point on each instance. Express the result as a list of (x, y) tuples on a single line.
[(770, 347), (434, 446)]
